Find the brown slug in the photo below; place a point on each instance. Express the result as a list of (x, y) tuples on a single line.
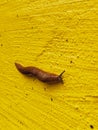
[(40, 74)]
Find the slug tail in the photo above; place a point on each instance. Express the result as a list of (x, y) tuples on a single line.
[(21, 69)]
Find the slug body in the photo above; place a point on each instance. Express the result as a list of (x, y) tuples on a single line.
[(40, 74)]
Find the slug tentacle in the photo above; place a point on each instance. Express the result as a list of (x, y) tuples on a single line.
[(61, 73), (40, 74)]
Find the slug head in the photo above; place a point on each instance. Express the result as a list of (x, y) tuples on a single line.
[(60, 77)]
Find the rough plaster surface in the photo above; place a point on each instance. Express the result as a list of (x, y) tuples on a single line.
[(54, 36)]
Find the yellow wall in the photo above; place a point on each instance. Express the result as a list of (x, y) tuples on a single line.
[(54, 35)]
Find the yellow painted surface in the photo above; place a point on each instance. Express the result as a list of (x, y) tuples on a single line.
[(54, 35)]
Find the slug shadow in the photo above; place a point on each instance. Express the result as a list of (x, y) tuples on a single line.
[(46, 86), (53, 87)]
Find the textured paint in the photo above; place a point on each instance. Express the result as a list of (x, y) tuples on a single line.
[(53, 35)]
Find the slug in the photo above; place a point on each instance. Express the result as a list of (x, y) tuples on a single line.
[(40, 74)]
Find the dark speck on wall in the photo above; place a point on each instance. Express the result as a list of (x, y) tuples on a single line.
[(77, 56), (21, 122), (51, 99), (1, 44), (66, 40), (77, 108), (71, 61), (91, 126)]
